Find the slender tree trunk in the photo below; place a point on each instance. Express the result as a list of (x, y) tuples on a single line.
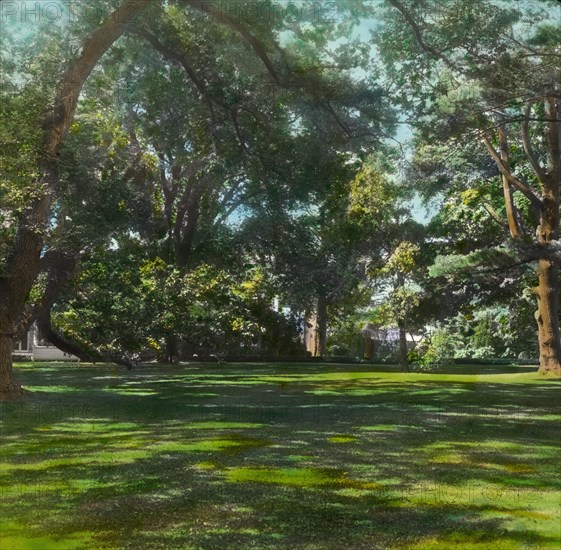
[(171, 349), (403, 361), (511, 212), (322, 327)]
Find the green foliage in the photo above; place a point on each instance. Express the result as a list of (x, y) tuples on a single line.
[(466, 265), (435, 353), (344, 338), (122, 302), (371, 196)]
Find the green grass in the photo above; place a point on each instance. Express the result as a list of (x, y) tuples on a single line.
[(280, 456)]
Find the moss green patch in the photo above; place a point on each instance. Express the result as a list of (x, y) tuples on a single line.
[(296, 477), (341, 439)]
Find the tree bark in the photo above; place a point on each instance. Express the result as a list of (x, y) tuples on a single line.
[(9, 388), (61, 342), (548, 288), (547, 316), (511, 213), (23, 261), (322, 327), (171, 349)]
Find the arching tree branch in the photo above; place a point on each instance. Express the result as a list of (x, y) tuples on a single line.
[(513, 180), (527, 144), (223, 17)]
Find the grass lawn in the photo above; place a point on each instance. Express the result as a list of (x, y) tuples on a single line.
[(280, 456)]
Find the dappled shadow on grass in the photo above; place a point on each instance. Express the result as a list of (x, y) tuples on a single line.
[(308, 456)]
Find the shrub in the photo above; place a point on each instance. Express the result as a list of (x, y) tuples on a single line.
[(434, 353)]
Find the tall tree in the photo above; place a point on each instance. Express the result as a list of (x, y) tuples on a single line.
[(481, 71), (23, 258)]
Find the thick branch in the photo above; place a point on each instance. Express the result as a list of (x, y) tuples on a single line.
[(95, 45), (511, 212), (553, 112), (513, 180), (63, 343), (81, 349)]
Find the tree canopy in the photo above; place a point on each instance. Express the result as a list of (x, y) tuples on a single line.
[(171, 169)]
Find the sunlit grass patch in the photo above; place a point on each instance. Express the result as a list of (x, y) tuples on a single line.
[(94, 425), (295, 477), (398, 460), (11, 538), (54, 389), (341, 439), (300, 477), (131, 391), (380, 428)]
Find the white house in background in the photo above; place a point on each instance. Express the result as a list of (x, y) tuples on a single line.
[(36, 348)]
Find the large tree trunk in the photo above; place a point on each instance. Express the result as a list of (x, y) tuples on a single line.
[(8, 386), (545, 207), (23, 261), (547, 316), (59, 268), (548, 231)]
